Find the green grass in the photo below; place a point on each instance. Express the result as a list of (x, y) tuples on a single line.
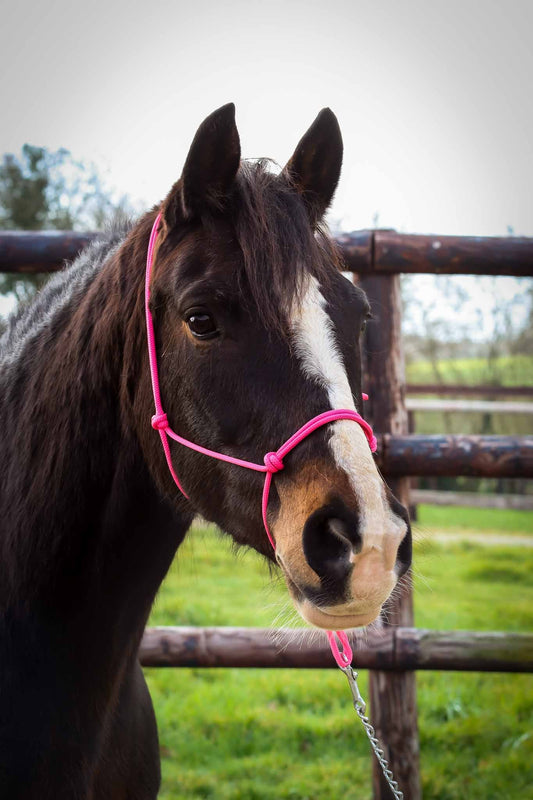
[(474, 520), (506, 370), (265, 734)]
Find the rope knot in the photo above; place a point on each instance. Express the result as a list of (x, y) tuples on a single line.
[(273, 462), (160, 421)]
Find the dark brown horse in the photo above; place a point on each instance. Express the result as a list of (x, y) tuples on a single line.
[(257, 332)]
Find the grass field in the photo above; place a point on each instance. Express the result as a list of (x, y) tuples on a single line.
[(505, 370), (464, 520), (276, 734)]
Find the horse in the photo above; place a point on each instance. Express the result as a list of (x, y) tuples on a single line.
[(256, 331)]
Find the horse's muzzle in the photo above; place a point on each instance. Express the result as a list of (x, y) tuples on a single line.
[(348, 571)]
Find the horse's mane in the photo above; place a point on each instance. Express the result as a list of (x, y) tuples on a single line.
[(31, 319), (278, 244)]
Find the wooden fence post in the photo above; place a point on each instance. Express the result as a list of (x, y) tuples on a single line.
[(392, 696)]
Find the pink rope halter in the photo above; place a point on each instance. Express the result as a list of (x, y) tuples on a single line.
[(273, 461)]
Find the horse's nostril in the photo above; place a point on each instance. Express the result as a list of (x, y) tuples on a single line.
[(338, 527), (330, 538)]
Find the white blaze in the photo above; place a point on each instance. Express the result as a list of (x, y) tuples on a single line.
[(317, 350)]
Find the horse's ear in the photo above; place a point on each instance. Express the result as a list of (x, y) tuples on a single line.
[(209, 170), (315, 167)]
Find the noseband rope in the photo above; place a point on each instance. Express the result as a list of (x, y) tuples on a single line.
[(272, 463)]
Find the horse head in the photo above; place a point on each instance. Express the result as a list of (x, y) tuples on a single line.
[(257, 331)]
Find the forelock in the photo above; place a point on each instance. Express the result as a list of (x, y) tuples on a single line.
[(279, 246)]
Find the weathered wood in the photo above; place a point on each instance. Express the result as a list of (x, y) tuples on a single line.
[(357, 250), (392, 696), (518, 502), (478, 456), (365, 252), (469, 406), (469, 391), (390, 649), (452, 255), (40, 251), (465, 651)]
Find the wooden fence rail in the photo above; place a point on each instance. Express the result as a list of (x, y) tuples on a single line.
[(461, 389), (365, 252), (391, 649), (517, 502), (447, 455), (468, 406), (40, 251)]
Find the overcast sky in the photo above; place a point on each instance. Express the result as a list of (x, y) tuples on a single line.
[(433, 98)]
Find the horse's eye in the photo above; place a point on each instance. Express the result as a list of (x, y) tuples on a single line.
[(202, 325), (363, 326)]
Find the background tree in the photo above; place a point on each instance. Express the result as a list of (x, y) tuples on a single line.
[(40, 189)]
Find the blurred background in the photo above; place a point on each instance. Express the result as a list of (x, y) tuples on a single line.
[(100, 102)]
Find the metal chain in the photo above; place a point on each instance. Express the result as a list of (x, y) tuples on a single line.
[(360, 707)]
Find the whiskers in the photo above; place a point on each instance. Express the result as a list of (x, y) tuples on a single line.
[(286, 616), (420, 578), (286, 621), (427, 548), (388, 614)]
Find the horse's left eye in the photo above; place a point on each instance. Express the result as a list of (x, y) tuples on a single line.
[(363, 326), (202, 325)]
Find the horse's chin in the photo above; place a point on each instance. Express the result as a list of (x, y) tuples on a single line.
[(321, 618)]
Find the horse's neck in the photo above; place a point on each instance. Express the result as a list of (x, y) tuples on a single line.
[(82, 521)]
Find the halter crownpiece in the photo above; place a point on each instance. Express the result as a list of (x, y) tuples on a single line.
[(273, 461)]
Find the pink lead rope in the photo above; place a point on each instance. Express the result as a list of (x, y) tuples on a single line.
[(273, 461)]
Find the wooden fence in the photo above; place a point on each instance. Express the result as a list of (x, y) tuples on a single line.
[(365, 252), (468, 406), (462, 390), (392, 649), (486, 407), (434, 497), (377, 258)]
